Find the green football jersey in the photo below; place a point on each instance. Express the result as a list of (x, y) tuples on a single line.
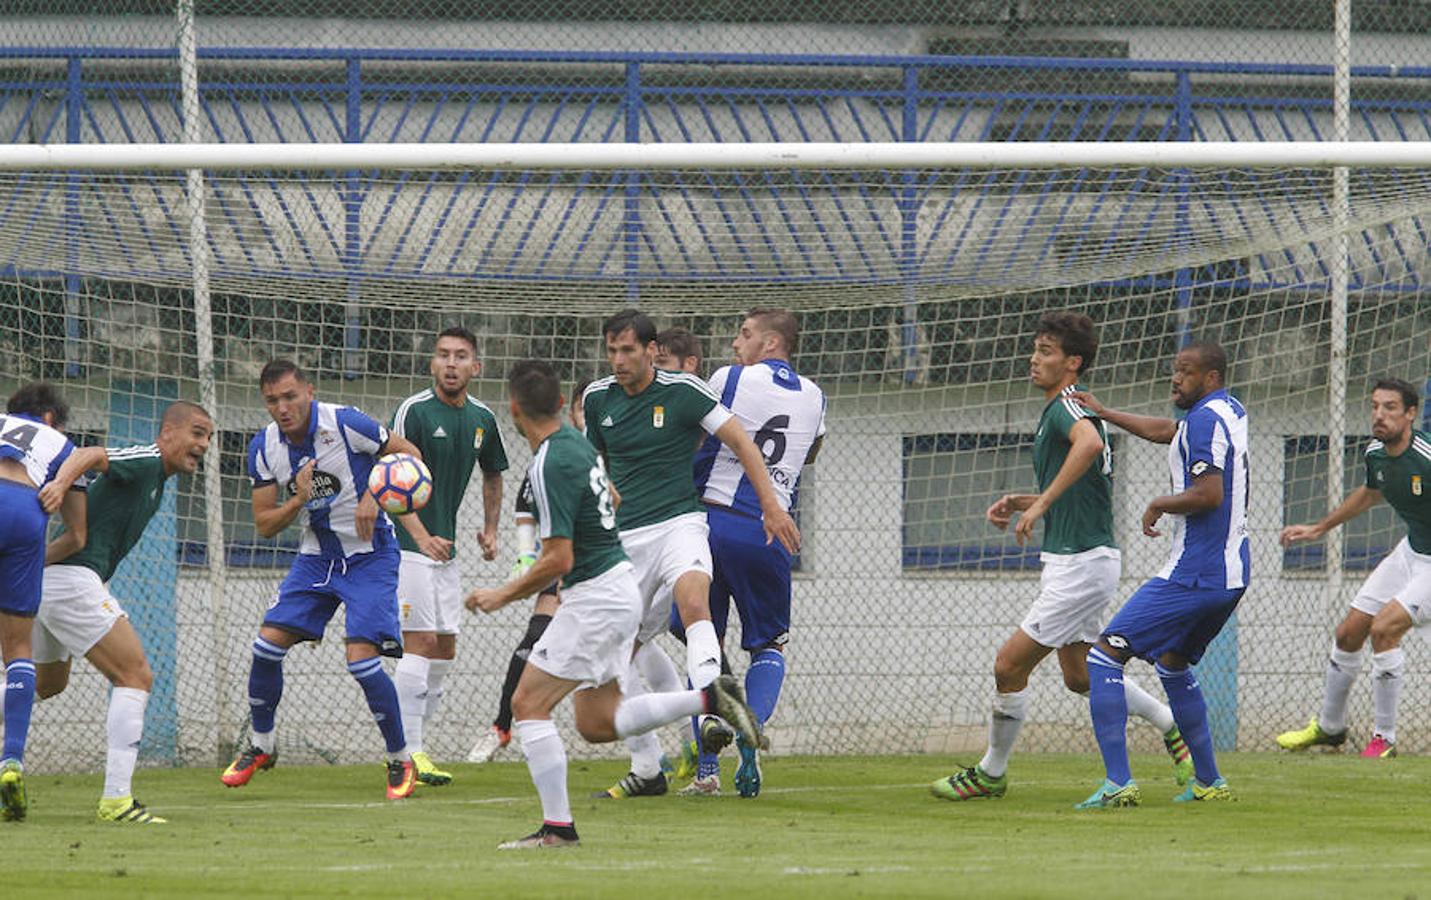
[(1405, 482), (453, 441), (121, 503), (1082, 518), (571, 499), (650, 442)]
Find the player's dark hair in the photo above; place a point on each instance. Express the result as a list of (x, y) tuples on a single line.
[(180, 411), (1211, 356), (36, 399), (634, 319), (1075, 333), (679, 342), (579, 388), (462, 334), (782, 322), (1410, 398), (275, 369), (535, 386)]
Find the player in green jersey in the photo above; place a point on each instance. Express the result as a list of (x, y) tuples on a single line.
[(79, 617), (1081, 561), (456, 434), (646, 422), (1397, 594), (589, 640)]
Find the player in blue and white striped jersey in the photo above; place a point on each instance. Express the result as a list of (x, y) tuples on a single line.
[(32, 449), (784, 414), (318, 455), (1171, 619)]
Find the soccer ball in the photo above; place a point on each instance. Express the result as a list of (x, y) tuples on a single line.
[(400, 483)]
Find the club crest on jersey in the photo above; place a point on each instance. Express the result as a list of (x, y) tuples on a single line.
[(658, 417), (477, 438), (1416, 485)]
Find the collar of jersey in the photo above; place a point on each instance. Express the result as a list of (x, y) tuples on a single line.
[(312, 425), (775, 365), (1205, 399)]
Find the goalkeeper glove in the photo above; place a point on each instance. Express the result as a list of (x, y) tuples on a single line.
[(524, 562)]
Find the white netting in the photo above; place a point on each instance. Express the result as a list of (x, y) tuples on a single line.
[(917, 290)]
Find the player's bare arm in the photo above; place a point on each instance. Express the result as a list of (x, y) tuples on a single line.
[(1086, 447), (73, 511), (82, 460), (1205, 494), (555, 560), (1001, 512), (430, 545), (269, 516), (778, 523), (1353, 505), (491, 513), (1155, 429)]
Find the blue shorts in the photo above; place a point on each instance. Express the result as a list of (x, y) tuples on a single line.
[(366, 585), (22, 548), (1164, 617), (753, 573)]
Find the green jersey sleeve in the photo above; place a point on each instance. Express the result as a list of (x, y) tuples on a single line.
[(591, 403), (491, 454), (128, 464)]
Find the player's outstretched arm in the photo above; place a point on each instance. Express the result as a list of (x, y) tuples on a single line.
[(73, 510), (80, 461), (555, 560), (1156, 429), (1086, 446), (1353, 505), (778, 523), (430, 545)]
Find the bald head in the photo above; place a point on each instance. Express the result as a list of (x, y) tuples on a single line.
[(180, 412)]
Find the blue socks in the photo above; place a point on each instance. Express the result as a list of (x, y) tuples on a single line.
[(19, 701), (763, 681), (1190, 711), (382, 700), (1108, 704), (265, 684)]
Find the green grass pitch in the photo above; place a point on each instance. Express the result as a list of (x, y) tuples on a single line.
[(1305, 826)]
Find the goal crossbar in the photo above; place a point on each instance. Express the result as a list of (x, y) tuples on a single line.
[(815, 155)]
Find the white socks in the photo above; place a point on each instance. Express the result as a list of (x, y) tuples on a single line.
[(702, 653), (411, 680), (644, 747), (264, 740), (1386, 668), (124, 726), (437, 670), (1342, 671), (1005, 721), (657, 668), (1145, 706), (638, 715), (546, 761)]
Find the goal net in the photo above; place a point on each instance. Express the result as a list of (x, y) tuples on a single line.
[(917, 289)]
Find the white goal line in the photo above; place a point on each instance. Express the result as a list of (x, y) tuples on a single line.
[(769, 156)]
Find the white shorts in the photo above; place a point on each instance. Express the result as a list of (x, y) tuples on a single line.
[(661, 554), (1073, 597), (591, 637), (76, 610), (429, 594), (1404, 576)]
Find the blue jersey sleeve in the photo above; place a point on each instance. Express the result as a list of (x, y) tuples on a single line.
[(1207, 444), (260, 473), (363, 434)]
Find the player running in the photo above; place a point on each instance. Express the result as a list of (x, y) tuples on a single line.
[(1081, 561), (1172, 618), (456, 434), (79, 617), (321, 454), (32, 450), (590, 637), (646, 422), (1397, 594), (548, 598)]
